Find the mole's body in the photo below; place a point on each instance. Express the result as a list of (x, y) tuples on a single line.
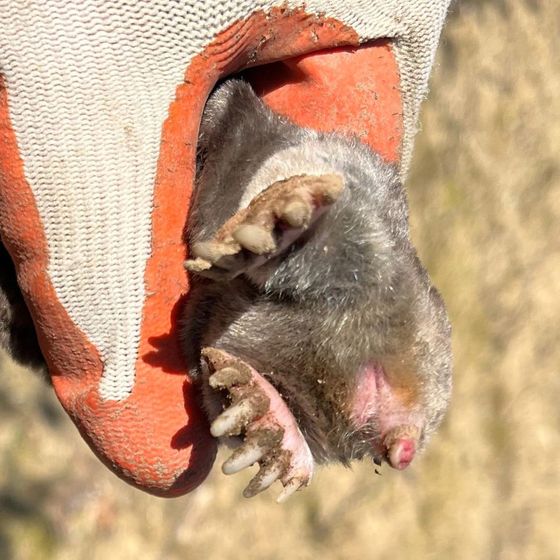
[(322, 333)]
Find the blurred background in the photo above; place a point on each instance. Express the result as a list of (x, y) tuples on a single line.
[(485, 211)]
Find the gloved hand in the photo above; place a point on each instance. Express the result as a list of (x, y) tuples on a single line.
[(99, 112)]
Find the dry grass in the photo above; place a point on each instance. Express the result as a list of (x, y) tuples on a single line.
[(485, 202)]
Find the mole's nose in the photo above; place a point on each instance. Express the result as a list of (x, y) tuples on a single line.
[(400, 446), (401, 453)]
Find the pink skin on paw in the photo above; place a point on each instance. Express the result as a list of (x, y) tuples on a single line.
[(271, 435), (278, 415), (399, 426)]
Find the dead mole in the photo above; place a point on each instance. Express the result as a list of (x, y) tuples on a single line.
[(312, 327)]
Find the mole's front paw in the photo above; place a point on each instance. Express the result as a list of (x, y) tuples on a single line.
[(256, 411), (272, 222)]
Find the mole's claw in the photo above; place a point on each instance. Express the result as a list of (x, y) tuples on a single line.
[(255, 238), (297, 212), (272, 221), (328, 188), (290, 488), (213, 251), (233, 420), (266, 476), (228, 377), (242, 458), (256, 411), (197, 265)]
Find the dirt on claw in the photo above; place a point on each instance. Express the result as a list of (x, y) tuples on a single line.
[(255, 411), (272, 222)]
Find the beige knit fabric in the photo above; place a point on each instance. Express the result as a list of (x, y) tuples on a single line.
[(89, 86)]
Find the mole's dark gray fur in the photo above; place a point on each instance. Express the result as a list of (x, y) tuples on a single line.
[(351, 291), (17, 333)]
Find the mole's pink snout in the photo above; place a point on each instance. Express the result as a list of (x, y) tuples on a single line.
[(400, 445), (401, 453)]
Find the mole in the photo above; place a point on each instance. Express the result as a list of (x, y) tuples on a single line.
[(311, 326)]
